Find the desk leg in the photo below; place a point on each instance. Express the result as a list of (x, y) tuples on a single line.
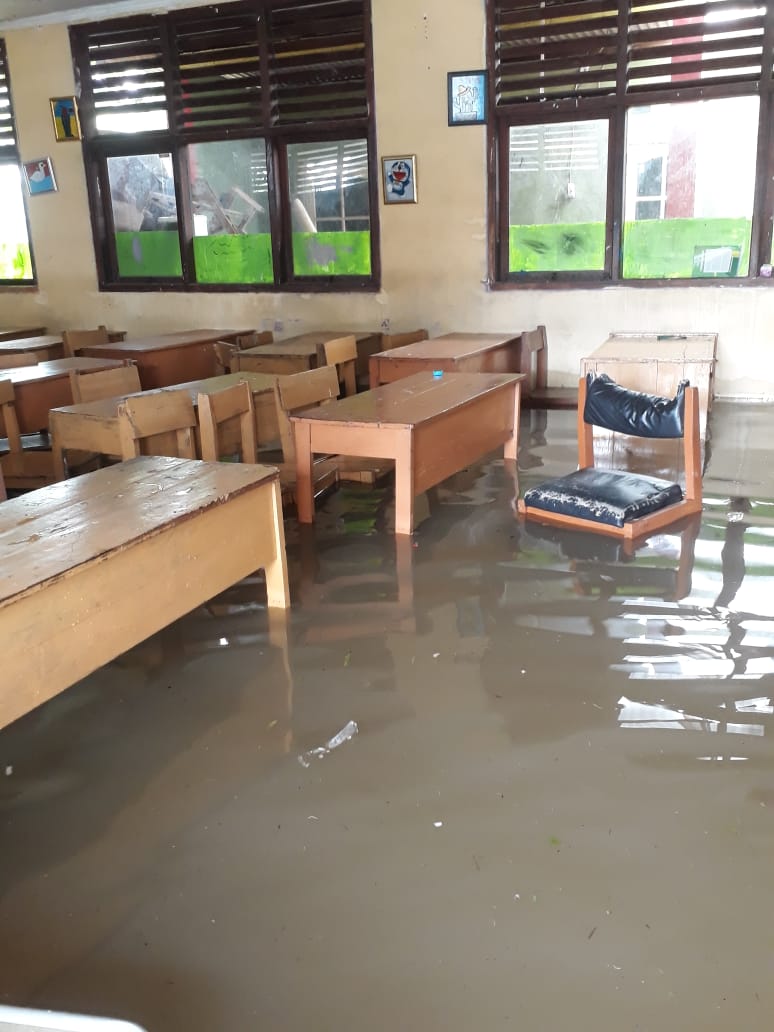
[(404, 483), (304, 492), (277, 591), (512, 445)]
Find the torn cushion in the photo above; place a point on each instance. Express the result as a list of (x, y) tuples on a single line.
[(605, 496)]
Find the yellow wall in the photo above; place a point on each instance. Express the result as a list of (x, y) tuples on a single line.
[(433, 253)]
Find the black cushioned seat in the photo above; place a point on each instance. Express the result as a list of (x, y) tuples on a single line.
[(605, 496)]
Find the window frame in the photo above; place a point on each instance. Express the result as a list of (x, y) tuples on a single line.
[(98, 147), (615, 105), (12, 157)]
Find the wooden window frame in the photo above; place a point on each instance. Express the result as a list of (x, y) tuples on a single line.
[(614, 105), (10, 156), (268, 126)]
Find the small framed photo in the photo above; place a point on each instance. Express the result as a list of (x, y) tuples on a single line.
[(399, 179), (467, 98), (39, 176), (64, 112)]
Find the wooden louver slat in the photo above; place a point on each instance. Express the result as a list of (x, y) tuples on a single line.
[(693, 42), (7, 123), (554, 49), (219, 69), (318, 62)]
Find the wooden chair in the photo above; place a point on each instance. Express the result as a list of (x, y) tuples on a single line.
[(342, 353), (75, 340), (22, 358), (291, 394), (399, 340), (307, 390), (254, 339), (94, 385), (26, 461), (225, 354), (162, 423), (231, 409), (533, 360), (615, 502)]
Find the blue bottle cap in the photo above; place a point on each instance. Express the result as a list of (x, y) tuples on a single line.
[(438, 373)]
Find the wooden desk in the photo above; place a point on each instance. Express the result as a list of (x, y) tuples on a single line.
[(45, 348), (92, 566), (20, 331), (297, 354), (656, 362), (41, 387), (168, 358), (430, 426), (93, 426), (453, 353)]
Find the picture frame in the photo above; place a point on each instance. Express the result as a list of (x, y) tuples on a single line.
[(466, 97), (399, 178), (64, 112), (39, 176)]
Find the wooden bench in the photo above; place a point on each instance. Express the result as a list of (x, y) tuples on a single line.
[(91, 567)]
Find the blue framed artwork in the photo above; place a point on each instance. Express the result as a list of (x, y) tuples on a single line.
[(467, 98), (399, 179), (39, 176)]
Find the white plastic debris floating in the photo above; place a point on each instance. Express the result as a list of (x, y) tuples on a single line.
[(349, 731)]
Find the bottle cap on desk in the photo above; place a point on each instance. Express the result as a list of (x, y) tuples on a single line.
[(438, 373)]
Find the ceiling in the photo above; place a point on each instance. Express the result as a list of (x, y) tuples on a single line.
[(19, 14)]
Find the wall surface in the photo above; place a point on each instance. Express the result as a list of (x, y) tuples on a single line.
[(433, 253)]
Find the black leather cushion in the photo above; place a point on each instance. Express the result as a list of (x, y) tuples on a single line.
[(606, 496), (632, 412)]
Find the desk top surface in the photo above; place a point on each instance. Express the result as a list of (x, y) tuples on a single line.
[(13, 332), (13, 345), (647, 347), (55, 369), (411, 400), (450, 345), (161, 342), (107, 408), (305, 343), (47, 533)]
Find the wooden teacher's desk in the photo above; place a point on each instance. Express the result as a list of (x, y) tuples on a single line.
[(453, 352), (431, 426), (168, 358), (92, 566)]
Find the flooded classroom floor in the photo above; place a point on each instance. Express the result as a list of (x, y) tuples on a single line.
[(490, 777)]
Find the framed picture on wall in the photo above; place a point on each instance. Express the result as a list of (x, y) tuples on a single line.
[(39, 176), (399, 179), (467, 98), (64, 112)]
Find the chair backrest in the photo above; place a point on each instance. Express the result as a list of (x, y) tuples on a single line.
[(21, 358), (604, 403), (342, 353), (161, 423), (534, 342), (96, 384), (254, 339), (8, 412), (225, 355), (230, 411), (301, 391), (399, 340), (75, 340)]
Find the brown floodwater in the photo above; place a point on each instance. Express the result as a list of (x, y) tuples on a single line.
[(491, 777)]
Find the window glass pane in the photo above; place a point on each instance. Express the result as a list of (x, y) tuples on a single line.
[(15, 256), (142, 196), (230, 203), (330, 209), (557, 196), (690, 178)]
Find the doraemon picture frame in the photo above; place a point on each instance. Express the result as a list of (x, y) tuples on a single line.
[(399, 179)]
